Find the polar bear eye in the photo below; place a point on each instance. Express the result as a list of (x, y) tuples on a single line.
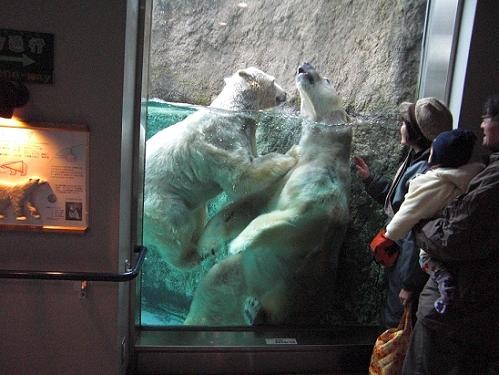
[(212, 251), (327, 80)]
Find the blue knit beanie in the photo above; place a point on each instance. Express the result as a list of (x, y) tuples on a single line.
[(452, 148)]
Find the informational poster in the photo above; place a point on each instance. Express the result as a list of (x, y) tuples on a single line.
[(43, 177)]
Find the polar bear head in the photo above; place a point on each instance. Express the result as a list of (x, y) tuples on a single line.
[(319, 100), (248, 90)]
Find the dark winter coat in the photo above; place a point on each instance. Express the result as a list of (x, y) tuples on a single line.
[(466, 238), (406, 273)]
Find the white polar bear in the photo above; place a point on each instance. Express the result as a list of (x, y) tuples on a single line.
[(20, 197), (281, 241), (211, 151)]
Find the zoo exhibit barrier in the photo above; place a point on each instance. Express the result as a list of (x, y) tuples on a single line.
[(130, 274)]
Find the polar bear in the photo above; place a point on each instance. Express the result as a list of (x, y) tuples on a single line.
[(211, 151), (280, 241), (20, 197)]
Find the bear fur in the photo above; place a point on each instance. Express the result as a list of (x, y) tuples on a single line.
[(211, 151), (20, 197), (280, 242)]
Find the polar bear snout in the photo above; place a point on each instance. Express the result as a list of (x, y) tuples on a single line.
[(306, 73), (305, 68)]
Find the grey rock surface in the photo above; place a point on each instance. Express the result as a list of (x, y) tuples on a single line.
[(370, 50)]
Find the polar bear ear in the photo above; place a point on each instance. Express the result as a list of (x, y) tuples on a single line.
[(245, 75)]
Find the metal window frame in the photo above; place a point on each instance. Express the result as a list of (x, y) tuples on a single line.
[(440, 39)]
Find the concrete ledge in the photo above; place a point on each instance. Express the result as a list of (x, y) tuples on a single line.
[(342, 350)]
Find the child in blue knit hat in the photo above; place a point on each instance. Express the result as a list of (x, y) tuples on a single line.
[(448, 176)]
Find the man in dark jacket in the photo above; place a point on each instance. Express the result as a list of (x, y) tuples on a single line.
[(464, 340)]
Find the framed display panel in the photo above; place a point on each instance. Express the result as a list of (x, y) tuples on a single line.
[(43, 176)]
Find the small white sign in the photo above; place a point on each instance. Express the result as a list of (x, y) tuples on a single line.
[(281, 341)]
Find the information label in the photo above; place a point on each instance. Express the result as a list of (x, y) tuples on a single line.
[(281, 341), (44, 177)]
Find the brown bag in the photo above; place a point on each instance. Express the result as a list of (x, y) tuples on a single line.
[(391, 346)]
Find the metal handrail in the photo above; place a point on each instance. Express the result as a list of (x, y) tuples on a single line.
[(128, 275)]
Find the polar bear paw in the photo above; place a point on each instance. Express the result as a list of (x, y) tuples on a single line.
[(294, 151), (253, 311), (237, 245)]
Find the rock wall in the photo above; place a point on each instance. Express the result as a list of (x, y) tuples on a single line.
[(370, 50)]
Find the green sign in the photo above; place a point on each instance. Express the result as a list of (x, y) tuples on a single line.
[(26, 56)]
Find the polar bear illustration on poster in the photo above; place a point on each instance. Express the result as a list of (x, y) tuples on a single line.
[(20, 198)]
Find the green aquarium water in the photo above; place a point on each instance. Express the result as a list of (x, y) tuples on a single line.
[(353, 294), (161, 114)]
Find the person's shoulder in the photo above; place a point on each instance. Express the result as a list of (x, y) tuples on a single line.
[(429, 175), (491, 169), (493, 161), (417, 167)]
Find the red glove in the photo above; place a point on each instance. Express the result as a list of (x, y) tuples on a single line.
[(385, 251)]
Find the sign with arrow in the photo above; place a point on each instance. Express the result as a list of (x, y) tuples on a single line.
[(26, 56)]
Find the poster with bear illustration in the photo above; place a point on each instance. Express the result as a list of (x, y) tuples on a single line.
[(43, 176)]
